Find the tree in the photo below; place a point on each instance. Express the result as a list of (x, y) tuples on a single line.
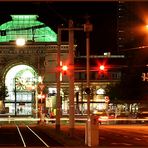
[(3, 92)]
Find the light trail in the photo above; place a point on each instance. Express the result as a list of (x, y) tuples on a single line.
[(14, 119)]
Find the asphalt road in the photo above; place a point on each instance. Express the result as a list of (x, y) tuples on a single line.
[(123, 135)]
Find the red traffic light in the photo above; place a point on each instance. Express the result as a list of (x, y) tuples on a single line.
[(102, 67), (64, 69)]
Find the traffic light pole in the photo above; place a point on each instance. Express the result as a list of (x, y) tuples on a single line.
[(71, 78), (71, 30), (88, 29), (88, 71), (58, 99)]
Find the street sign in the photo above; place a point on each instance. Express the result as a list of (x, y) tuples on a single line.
[(41, 86), (144, 76), (107, 99)]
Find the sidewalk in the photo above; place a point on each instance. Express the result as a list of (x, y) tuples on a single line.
[(63, 136)]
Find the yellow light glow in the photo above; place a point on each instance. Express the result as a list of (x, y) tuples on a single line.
[(20, 42)]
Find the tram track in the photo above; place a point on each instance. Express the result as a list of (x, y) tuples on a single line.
[(29, 137), (14, 132)]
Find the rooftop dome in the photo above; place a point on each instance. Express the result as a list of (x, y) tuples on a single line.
[(27, 27)]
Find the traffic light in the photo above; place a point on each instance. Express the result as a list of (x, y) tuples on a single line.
[(64, 69), (101, 67), (102, 71)]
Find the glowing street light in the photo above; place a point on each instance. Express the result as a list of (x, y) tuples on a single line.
[(20, 42)]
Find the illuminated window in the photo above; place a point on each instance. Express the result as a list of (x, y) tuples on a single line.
[(100, 91)]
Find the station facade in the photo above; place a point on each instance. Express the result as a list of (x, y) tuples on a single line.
[(22, 66)]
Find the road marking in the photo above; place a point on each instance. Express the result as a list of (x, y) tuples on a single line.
[(21, 136), (114, 143), (127, 144), (137, 138), (145, 136), (37, 136)]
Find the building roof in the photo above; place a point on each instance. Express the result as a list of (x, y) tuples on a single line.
[(27, 27)]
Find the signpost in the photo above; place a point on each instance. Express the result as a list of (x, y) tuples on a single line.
[(144, 76), (107, 99)]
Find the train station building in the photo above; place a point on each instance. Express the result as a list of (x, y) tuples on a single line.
[(22, 68)]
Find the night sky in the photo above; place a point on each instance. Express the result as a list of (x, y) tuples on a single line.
[(103, 16)]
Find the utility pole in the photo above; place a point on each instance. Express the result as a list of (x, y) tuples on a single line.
[(71, 30), (58, 99), (88, 29), (71, 77)]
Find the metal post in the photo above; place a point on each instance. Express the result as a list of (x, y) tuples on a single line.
[(88, 29), (36, 103), (88, 71), (58, 105), (71, 77), (15, 96)]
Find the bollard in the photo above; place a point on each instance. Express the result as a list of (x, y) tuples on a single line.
[(91, 132)]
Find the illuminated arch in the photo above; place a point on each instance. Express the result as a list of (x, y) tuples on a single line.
[(27, 27), (18, 71)]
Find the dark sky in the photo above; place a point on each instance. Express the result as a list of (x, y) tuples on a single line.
[(103, 16)]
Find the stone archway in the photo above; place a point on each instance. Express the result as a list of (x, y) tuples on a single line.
[(21, 81)]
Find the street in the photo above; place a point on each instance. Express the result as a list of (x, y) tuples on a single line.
[(123, 135)]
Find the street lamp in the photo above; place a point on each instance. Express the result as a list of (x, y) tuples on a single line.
[(20, 42)]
